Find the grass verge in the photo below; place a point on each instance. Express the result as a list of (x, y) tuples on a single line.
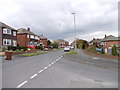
[(32, 54), (71, 52)]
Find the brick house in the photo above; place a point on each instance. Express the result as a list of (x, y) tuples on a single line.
[(8, 36), (62, 43), (43, 41), (95, 42), (109, 41), (27, 38)]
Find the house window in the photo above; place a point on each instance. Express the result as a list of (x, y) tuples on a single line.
[(14, 33), (32, 36), (14, 43), (6, 31), (36, 37), (28, 36), (6, 42)]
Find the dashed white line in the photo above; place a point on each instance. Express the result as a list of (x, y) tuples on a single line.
[(22, 84), (33, 76), (95, 58), (49, 65), (40, 71), (45, 67), (52, 63)]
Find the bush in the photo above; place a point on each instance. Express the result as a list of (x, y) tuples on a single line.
[(38, 47), (114, 51), (92, 48), (14, 48)]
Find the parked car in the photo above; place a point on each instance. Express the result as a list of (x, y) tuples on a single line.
[(46, 49), (66, 49), (72, 47)]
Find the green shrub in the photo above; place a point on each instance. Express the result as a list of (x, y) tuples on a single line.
[(114, 51), (92, 48), (38, 47), (14, 48)]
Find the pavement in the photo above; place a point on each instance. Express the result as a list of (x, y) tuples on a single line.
[(56, 70)]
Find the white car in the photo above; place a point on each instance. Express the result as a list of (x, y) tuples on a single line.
[(66, 49)]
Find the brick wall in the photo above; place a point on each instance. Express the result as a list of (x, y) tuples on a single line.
[(111, 43), (44, 41), (22, 40)]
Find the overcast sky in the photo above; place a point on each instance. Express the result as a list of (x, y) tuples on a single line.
[(53, 18)]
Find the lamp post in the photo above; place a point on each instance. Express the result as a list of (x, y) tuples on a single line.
[(75, 30)]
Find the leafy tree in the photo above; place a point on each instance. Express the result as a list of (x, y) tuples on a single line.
[(49, 42), (81, 43), (114, 51), (55, 44)]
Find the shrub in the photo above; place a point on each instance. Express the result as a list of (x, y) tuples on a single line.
[(114, 51), (92, 48), (38, 47), (14, 48)]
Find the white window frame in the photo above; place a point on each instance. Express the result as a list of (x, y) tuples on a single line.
[(14, 43), (5, 31), (28, 36), (6, 40), (32, 36), (36, 37), (14, 33)]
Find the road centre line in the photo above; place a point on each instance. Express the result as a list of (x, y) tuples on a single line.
[(95, 58), (49, 65), (45, 67), (33, 76), (40, 71), (20, 85)]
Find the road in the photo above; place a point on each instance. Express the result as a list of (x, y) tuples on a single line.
[(56, 70)]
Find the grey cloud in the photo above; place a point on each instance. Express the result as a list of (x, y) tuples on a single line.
[(54, 19)]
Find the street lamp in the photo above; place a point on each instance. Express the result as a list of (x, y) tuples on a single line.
[(75, 30)]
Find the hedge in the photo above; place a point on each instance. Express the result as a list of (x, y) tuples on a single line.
[(16, 48)]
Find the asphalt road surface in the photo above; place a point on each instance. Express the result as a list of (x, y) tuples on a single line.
[(56, 70)]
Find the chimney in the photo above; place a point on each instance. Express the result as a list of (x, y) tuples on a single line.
[(93, 38), (105, 35), (28, 29)]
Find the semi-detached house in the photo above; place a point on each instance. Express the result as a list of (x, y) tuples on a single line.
[(8, 36), (27, 38)]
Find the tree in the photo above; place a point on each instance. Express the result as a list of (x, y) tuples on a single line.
[(49, 42), (114, 51), (81, 43), (55, 44)]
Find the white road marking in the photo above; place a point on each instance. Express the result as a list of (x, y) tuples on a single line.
[(95, 58), (22, 84), (49, 65), (40, 71), (33, 76), (52, 63), (45, 67)]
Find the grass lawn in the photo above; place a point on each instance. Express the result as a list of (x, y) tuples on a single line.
[(71, 52), (33, 54), (56, 49)]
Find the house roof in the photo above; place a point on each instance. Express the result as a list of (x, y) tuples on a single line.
[(25, 31), (6, 26), (61, 40), (41, 36), (95, 40), (111, 38)]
